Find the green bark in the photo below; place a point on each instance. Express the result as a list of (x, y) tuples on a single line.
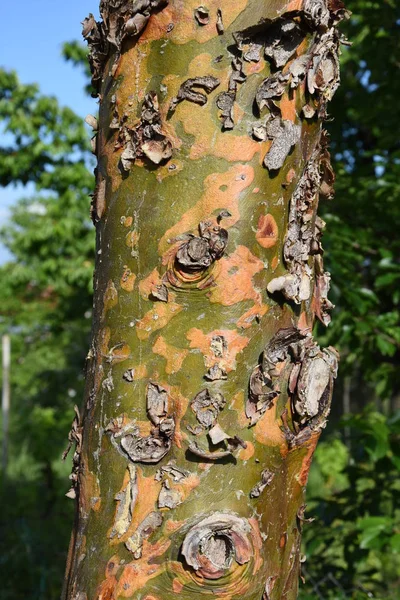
[(206, 393)]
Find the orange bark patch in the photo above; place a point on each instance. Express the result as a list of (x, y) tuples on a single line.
[(290, 175), (267, 430), (246, 453), (174, 356), (246, 320), (147, 284), (288, 108), (302, 477), (267, 231), (274, 263), (128, 279), (238, 404), (171, 525), (126, 221), (148, 491), (221, 191), (257, 544), (234, 278), (135, 575), (157, 318), (106, 589), (225, 357), (110, 298), (177, 586)]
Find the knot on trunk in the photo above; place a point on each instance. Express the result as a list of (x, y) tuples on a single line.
[(217, 544)]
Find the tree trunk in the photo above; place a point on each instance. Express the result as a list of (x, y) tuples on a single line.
[(206, 393)]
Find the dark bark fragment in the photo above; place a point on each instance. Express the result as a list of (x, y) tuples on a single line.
[(160, 292), (266, 478), (271, 90), (302, 243), (187, 92), (121, 19), (207, 407), (199, 253), (265, 381), (316, 13), (225, 102), (220, 24), (74, 437), (215, 373), (146, 139), (285, 135), (282, 39)]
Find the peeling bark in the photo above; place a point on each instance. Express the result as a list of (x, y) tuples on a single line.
[(206, 392)]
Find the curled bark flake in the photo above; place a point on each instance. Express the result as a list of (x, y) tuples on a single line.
[(282, 40), (215, 373), (265, 383), (218, 345), (144, 531), (253, 53), (202, 15), (206, 454), (160, 292), (323, 76), (157, 403), (302, 242), (199, 253), (215, 543), (74, 437), (237, 76), (207, 407), (126, 499), (316, 13), (298, 70), (225, 102), (218, 435), (129, 375), (187, 91), (266, 478), (271, 90), (92, 122), (169, 497), (152, 448), (312, 396), (220, 24), (98, 204), (285, 135), (146, 139), (120, 19), (171, 469)]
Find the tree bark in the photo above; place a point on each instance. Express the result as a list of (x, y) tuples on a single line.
[(206, 392)]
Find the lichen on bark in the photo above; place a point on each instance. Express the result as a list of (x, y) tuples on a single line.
[(206, 392)]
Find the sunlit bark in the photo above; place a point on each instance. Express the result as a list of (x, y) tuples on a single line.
[(206, 393)]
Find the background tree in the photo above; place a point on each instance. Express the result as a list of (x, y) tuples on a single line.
[(48, 356)]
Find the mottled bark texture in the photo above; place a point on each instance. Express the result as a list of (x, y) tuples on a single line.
[(206, 392)]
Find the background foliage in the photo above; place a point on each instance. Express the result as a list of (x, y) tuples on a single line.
[(353, 546)]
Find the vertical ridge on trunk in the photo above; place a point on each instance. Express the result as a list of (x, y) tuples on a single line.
[(206, 392)]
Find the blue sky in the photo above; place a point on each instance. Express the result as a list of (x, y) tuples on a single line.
[(33, 32)]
